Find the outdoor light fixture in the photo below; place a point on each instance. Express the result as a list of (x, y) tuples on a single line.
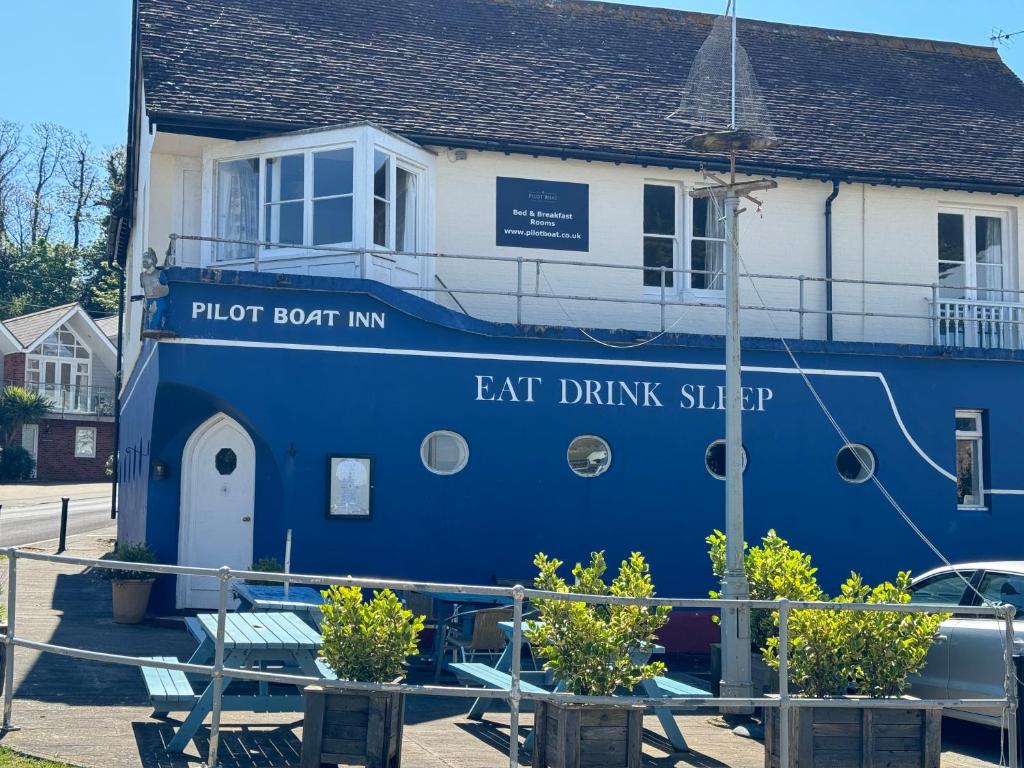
[(159, 470)]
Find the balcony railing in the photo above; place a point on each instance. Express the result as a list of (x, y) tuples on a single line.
[(586, 294), (72, 399)]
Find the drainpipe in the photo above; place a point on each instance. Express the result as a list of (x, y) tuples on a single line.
[(117, 386), (828, 258)]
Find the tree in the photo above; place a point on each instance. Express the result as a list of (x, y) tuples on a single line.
[(80, 172), (19, 407), (11, 154)]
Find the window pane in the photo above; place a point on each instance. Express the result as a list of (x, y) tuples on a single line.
[(237, 216), (405, 210), (1006, 588), (659, 210), (285, 178), (444, 453), (988, 239), (706, 259), (380, 175), (380, 223), (332, 221), (589, 456), (658, 252), (951, 237), (951, 280), (332, 173), (967, 424), (991, 277), (284, 223), (967, 473), (946, 589)]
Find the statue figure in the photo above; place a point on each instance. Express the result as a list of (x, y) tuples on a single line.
[(154, 286)]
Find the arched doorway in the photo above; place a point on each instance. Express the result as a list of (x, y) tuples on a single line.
[(218, 492)]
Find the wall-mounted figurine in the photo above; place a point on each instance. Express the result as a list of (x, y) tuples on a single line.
[(154, 286)]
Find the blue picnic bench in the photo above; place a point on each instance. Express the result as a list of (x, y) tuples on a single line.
[(251, 640), (498, 678)]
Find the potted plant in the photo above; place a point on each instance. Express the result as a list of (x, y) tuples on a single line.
[(593, 650), (774, 570), (870, 653), (130, 589), (368, 641)]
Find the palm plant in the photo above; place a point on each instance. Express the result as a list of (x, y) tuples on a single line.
[(18, 407)]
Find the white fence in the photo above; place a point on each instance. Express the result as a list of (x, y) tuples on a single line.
[(785, 702)]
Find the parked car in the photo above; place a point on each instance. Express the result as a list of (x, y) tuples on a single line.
[(966, 661)]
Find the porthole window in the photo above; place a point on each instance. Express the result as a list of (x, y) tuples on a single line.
[(714, 459), (589, 456), (225, 461), (444, 453), (855, 463)]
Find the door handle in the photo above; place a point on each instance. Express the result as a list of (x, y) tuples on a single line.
[(247, 519)]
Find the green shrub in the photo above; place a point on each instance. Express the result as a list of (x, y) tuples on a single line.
[(129, 553), (590, 647), (16, 464), (870, 652), (266, 565), (774, 570), (369, 641)]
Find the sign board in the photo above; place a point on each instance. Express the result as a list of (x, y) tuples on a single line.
[(543, 214)]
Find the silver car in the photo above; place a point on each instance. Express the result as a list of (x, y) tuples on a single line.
[(966, 660)]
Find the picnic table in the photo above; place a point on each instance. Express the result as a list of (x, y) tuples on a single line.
[(251, 640), (498, 677), (272, 597), (456, 600)]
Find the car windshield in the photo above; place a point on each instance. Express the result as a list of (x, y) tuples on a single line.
[(1005, 588), (941, 589)]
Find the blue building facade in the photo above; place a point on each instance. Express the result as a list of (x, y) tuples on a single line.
[(317, 367)]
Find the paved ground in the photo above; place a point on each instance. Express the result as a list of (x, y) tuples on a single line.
[(31, 512), (95, 715)]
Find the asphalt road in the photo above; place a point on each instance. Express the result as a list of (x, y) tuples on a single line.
[(26, 521)]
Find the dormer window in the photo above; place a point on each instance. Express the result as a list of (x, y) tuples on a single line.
[(354, 188)]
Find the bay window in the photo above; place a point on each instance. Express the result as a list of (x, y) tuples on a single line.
[(60, 370), (355, 188)]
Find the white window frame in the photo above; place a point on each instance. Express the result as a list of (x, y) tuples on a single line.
[(977, 436), (363, 139), (970, 252), (65, 394), (682, 247), (79, 455)]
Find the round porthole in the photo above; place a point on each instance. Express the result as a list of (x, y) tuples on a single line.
[(589, 456), (444, 453), (855, 463), (225, 461), (714, 459)]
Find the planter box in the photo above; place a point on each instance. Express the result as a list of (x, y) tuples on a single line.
[(763, 678), (586, 736), (130, 598), (352, 728), (855, 737)]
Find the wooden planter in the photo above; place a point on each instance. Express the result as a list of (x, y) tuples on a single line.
[(352, 728), (854, 737), (586, 736)]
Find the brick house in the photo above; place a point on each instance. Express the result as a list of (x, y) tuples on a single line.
[(68, 357)]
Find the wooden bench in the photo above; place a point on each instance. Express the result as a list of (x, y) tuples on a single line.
[(325, 671), (669, 687), (489, 677), (169, 689)]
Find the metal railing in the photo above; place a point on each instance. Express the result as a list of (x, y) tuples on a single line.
[(71, 399), (519, 594), (528, 285)]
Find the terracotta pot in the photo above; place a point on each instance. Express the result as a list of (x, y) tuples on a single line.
[(131, 598)]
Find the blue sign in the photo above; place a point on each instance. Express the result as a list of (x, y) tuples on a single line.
[(543, 214)]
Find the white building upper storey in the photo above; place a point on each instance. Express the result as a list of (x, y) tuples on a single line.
[(516, 162)]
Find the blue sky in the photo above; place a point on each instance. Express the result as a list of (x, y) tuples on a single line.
[(67, 60)]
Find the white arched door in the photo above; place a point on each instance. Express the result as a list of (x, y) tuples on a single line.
[(218, 479)]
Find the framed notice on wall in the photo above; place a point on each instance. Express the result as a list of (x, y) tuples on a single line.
[(542, 214), (349, 486)]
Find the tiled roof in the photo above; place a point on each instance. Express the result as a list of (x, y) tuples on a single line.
[(108, 325), (581, 77), (28, 328)]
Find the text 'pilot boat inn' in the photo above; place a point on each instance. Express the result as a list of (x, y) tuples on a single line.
[(436, 296)]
